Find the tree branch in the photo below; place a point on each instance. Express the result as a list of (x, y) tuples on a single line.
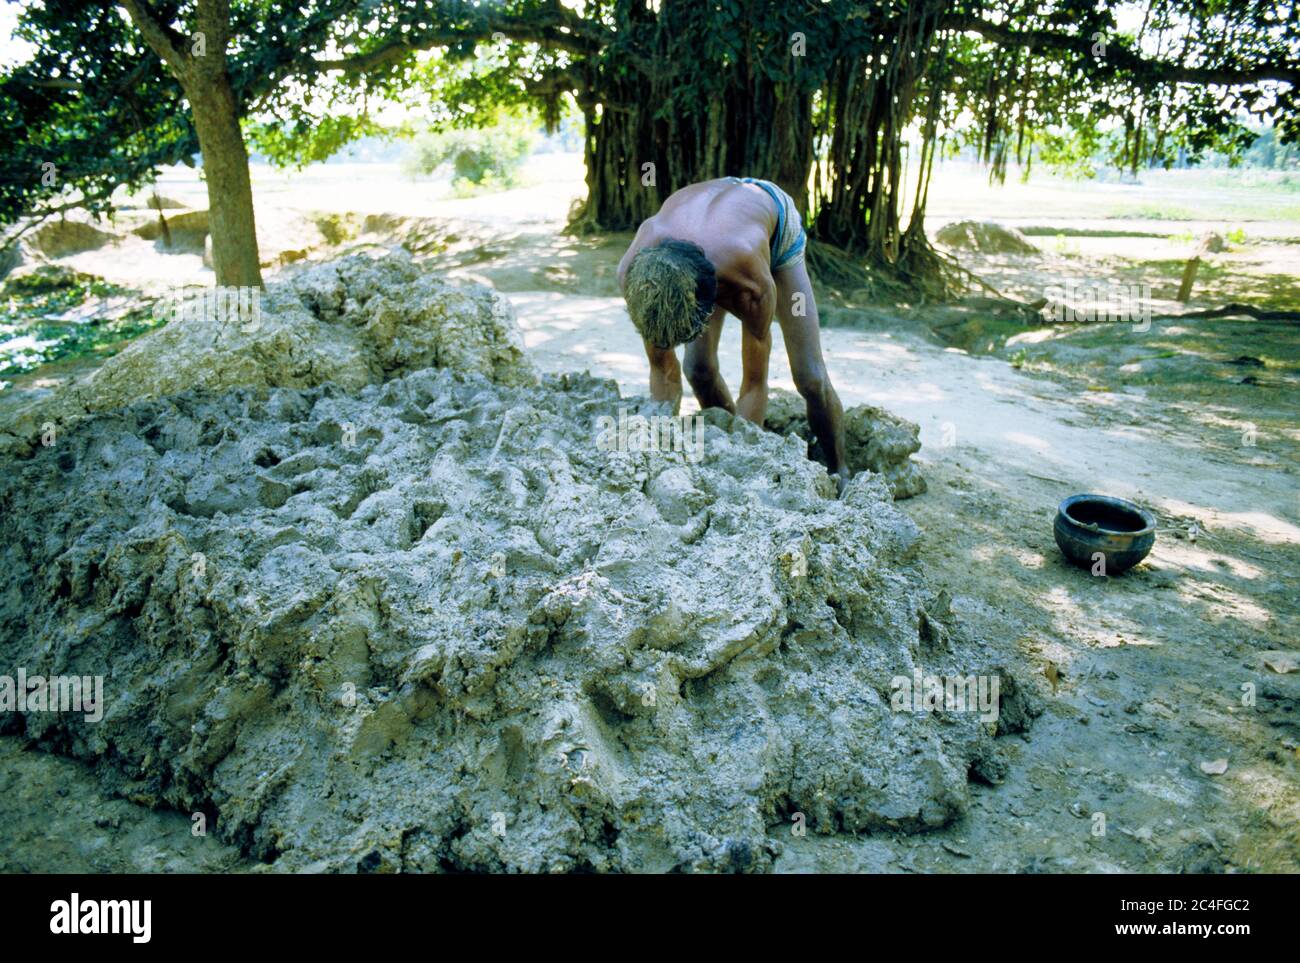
[(1159, 71), (560, 28), (556, 82), (60, 83), (212, 20), (161, 38)]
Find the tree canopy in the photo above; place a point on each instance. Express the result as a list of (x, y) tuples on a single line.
[(831, 98)]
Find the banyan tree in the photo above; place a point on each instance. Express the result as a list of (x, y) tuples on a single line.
[(844, 104)]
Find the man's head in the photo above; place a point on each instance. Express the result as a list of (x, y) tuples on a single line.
[(670, 290)]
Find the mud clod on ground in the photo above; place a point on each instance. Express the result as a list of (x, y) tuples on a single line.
[(875, 440), (985, 237)]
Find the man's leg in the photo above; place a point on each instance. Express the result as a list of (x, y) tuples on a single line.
[(700, 360), (796, 309)]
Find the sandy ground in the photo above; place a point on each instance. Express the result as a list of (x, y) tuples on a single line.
[(1145, 677)]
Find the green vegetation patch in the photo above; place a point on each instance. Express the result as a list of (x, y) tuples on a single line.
[(51, 314), (482, 160)]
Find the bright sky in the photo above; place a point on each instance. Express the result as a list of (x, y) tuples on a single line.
[(11, 51)]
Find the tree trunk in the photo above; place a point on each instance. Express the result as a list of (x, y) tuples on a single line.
[(198, 61), (230, 191), (748, 120), (749, 133), (620, 139), (860, 202)]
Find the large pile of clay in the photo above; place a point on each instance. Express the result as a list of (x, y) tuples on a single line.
[(875, 440), (351, 322), (433, 623)]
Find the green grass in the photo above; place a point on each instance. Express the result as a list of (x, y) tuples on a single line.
[(1154, 211), (34, 330)]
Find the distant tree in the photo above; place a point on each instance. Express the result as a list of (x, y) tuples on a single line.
[(115, 90), (1188, 77), (824, 97), (1269, 152), (91, 110)]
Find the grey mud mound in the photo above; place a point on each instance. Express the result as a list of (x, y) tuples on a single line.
[(352, 322), (984, 237), (875, 440), (431, 625), (372, 598)]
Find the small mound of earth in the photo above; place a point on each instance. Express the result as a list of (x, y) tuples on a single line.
[(185, 231), (984, 237), (54, 239), (64, 237), (875, 440), (353, 322), (148, 199), (44, 279), (158, 202), (1212, 243)]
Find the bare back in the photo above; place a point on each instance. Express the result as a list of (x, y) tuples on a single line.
[(733, 224)]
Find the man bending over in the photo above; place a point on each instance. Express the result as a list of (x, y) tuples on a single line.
[(733, 245)]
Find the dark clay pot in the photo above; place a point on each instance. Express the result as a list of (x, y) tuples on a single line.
[(1120, 530)]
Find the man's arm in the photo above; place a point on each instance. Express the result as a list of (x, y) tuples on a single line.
[(665, 375), (797, 310)]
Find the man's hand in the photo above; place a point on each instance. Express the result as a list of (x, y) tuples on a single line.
[(665, 375), (826, 418), (841, 481)]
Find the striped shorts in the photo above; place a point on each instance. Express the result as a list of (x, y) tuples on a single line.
[(789, 239)]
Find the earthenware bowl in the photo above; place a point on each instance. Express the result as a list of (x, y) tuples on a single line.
[(1118, 529)]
